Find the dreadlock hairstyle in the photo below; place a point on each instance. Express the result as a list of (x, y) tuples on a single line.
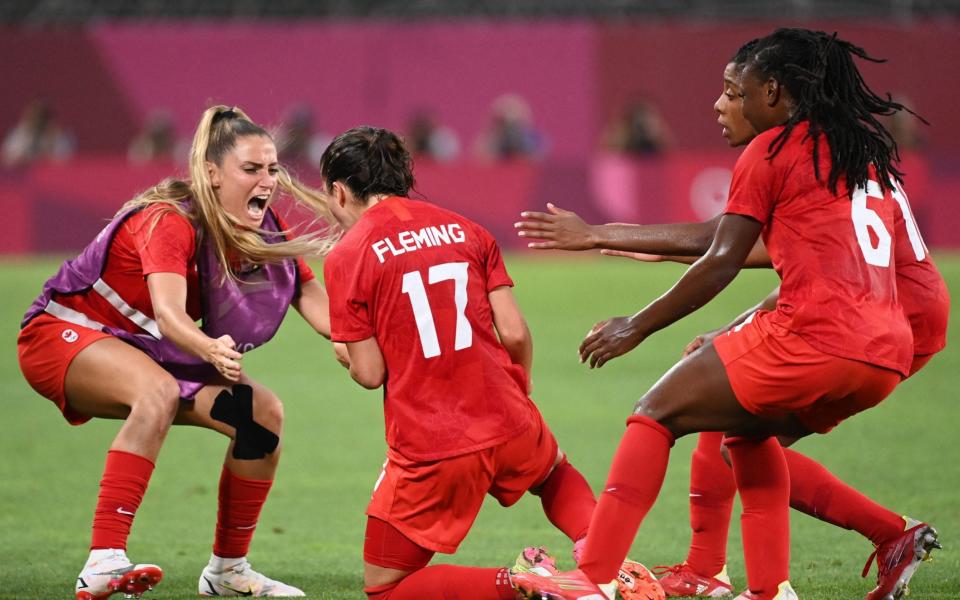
[(819, 71), (370, 161), (743, 53)]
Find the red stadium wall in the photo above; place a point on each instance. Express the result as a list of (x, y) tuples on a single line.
[(105, 79)]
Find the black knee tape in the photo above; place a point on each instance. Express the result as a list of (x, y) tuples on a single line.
[(253, 441)]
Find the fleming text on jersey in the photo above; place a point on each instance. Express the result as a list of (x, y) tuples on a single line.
[(409, 241)]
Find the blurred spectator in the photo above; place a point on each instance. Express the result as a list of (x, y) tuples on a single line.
[(906, 132), (427, 139), (903, 127), (511, 133), (36, 136), (156, 141), (640, 130), (297, 142)]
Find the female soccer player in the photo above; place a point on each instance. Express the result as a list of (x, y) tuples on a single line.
[(804, 183), (422, 300), (114, 335), (814, 490)]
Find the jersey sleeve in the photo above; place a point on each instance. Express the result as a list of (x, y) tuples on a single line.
[(306, 273), (496, 271), (168, 246), (756, 182), (350, 315)]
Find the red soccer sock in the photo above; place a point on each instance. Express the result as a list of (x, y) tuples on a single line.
[(567, 500), (633, 484), (239, 507), (817, 492), (446, 582), (125, 479), (712, 490), (764, 485)]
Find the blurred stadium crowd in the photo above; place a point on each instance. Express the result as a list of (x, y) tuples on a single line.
[(604, 107)]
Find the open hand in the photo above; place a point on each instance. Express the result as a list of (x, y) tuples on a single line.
[(609, 339), (561, 229)]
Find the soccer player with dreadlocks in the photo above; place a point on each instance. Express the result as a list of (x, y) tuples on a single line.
[(814, 490), (818, 183)]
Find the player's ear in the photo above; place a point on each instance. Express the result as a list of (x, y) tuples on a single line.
[(213, 171), (339, 193), (772, 92)]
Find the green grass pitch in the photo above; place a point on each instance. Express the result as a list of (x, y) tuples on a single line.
[(904, 453)]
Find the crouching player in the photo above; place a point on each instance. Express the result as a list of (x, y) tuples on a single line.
[(422, 300)]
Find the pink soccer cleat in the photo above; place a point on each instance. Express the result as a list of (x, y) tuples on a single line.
[(570, 585), (898, 559), (636, 582), (535, 559), (681, 580)]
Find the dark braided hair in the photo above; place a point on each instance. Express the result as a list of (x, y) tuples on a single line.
[(744, 52), (819, 71), (370, 161)]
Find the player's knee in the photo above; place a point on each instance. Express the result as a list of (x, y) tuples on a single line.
[(268, 410), (664, 413), (157, 401)]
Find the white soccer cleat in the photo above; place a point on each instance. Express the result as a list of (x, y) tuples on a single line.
[(237, 578), (784, 592), (108, 572)]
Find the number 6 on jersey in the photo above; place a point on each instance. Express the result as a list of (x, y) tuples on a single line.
[(413, 287)]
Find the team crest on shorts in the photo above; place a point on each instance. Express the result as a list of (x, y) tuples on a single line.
[(69, 336)]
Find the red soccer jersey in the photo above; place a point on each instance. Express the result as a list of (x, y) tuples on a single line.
[(137, 250), (922, 290), (833, 253), (416, 277)]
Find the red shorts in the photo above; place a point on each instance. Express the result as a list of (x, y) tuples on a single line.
[(435, 503), (774, 373), (45, 348)]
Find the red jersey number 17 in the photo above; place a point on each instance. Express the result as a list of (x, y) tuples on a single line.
[(413, 287)]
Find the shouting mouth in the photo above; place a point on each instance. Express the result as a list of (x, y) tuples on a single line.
[(257, 205)]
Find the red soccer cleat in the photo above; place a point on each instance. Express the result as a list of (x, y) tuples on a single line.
[(898, 559), (681, 580), (570, 585)]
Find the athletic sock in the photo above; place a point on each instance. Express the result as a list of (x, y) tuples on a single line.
[(712, 489), (239, 507), (819, 493), (764, 485), (633, 484), (567, 500), (125, 479), (441, 582)]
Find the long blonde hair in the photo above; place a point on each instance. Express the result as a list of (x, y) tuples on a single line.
[(217, 133)]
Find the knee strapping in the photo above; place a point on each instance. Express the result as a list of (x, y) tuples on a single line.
[(252, 441)]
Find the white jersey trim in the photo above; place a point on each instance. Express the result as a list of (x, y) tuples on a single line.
[(139, 319), (71, 316)]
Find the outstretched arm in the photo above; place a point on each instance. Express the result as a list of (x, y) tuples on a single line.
[(757, 259), (705, 279), (564, 230)]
